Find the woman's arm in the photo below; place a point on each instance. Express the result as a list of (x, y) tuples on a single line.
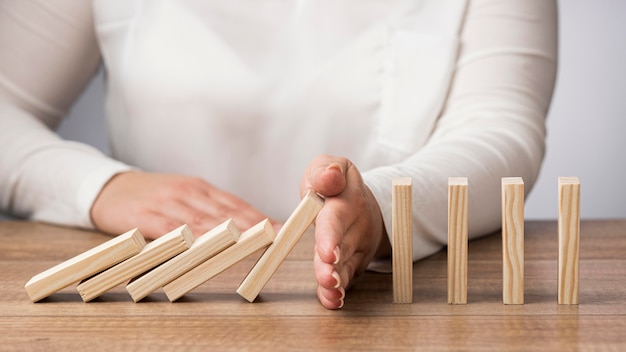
[(493, 122), (49, 54)]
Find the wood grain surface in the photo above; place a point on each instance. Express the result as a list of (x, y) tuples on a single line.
[(288, 316)]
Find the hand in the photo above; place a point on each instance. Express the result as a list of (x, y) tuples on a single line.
[(349, 229), (159, 203)]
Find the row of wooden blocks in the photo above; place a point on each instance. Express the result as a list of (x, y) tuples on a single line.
[(512, 240), (177, 261)]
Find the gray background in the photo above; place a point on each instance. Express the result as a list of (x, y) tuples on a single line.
[(586, 122)]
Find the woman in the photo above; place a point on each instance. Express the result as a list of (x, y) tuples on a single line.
[(219, 109)]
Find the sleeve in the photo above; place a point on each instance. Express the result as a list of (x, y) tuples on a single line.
[(492, 124), (49, 54)]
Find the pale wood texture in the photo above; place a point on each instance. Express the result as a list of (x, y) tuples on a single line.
[(512, 240), (285, 240), (402, 239), (153, 254), (203, 248), (569, 236), (289, 316), (458, 197), (256, 238), (85, 265)]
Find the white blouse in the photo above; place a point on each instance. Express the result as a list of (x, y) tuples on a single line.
[(245, 93)]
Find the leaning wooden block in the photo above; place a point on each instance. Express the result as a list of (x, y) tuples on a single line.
[(204, 247), (257, 237), (513, 240), (85, 265), (153, 254), (402, 239), (569, 236), (286, 239), (457, 239)]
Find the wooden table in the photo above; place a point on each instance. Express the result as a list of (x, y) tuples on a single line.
[(288, 316)]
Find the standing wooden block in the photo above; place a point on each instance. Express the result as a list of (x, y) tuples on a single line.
[(569, 236), (286, 239), (513, 240), (402, 239), (153, 254), (257, 237), (85, 265), (457, 239), (203, 248)]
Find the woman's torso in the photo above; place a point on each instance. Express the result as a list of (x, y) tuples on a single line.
[(244, 94)]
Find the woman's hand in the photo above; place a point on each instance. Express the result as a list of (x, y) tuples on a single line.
[(349, 229), (159, 203)]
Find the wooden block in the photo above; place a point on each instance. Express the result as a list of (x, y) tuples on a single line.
[(285, 240), (513, 240), (257, 237), (569, 236), (153, 254), (402, 239), (203, 248), (457, 239), (85, 265)]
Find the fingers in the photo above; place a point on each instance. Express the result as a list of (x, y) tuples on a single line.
[(331, 299), (154, 225), (205, 208), (326, 274), (329, 291), (329, 229), (158, 203), (202, 213), (338, 257), (336, 277)]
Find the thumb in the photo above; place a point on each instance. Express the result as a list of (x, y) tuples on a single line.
[(326, 175)]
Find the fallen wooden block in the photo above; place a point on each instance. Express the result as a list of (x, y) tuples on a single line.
[(569, 237), (285, 240), (402, 239), (457, 239), (203, 248), (257, 237), (513, 240), (85, 265), (153, 254)]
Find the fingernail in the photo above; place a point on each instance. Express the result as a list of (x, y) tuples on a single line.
[(342, 299), (337, 253), (337, 279), (335, 166)]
